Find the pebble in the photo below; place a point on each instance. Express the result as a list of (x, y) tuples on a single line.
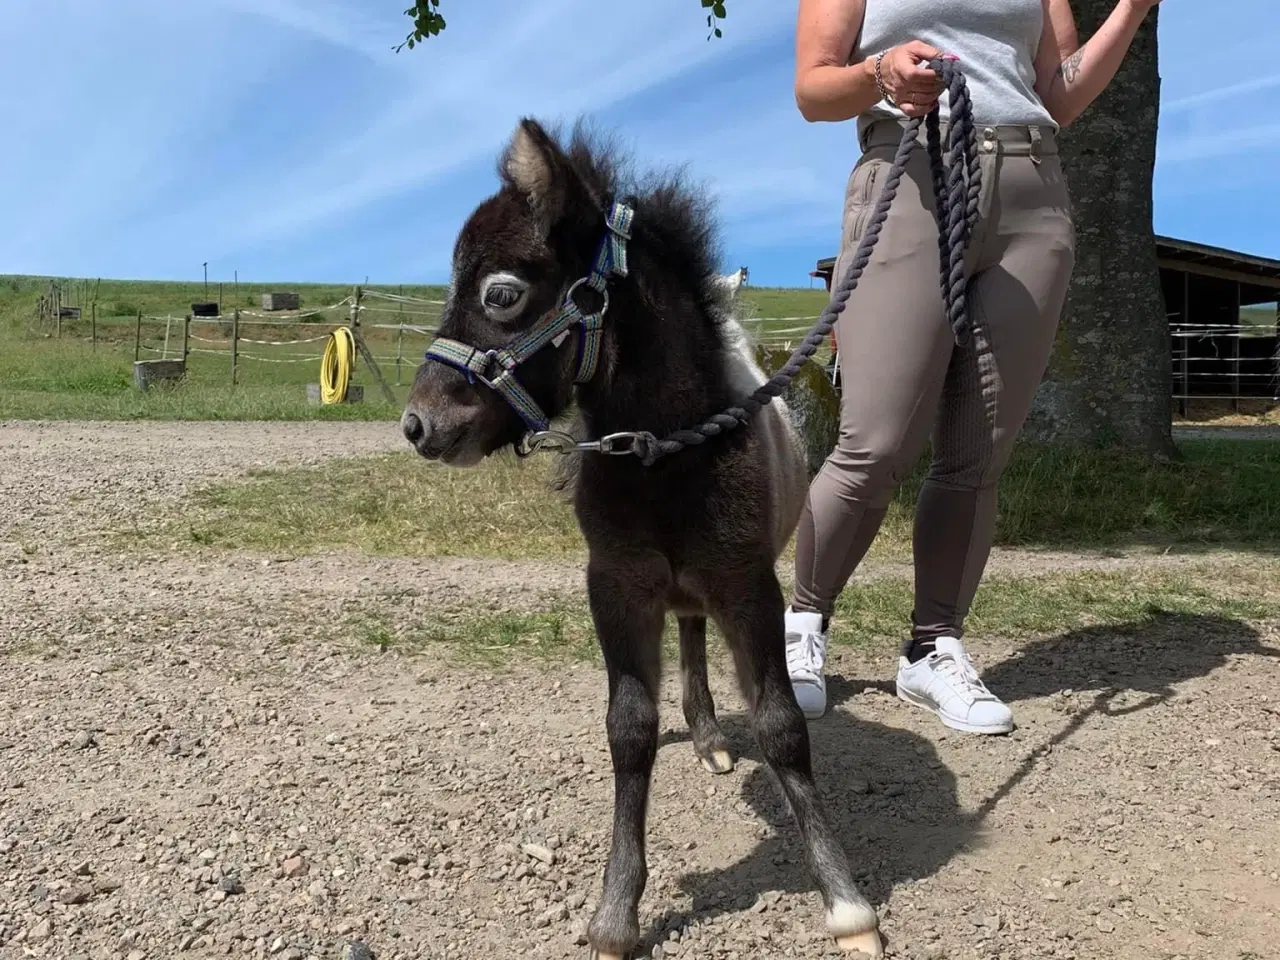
[(539, 852), (76, 895), (230, 885), (294, 867)]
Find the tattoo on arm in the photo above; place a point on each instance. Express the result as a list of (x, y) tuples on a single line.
[(1070, 68)]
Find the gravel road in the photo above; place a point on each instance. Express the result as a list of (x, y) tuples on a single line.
[(197, 761)]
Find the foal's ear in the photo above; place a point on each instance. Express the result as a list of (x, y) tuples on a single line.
[(534, 165)]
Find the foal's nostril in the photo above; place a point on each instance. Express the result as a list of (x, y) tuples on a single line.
[(413, 428)]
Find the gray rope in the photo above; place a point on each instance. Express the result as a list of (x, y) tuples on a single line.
[(956, 188)]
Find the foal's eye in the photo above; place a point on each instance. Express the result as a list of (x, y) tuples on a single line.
[(502, 296)]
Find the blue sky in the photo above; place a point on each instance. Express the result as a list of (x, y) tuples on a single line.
[(284, 139)]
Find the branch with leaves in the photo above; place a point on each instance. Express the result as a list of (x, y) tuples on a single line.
[(427, 21)]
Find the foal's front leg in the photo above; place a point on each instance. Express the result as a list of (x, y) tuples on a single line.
[(709, 742), (749, 609), (628, 605)]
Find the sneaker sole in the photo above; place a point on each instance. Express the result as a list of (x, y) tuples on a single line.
[(962, 725), (809, 714)]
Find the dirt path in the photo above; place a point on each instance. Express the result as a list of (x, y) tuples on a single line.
[(195, 761)]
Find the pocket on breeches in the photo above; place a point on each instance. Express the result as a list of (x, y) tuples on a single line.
[(859, 203)]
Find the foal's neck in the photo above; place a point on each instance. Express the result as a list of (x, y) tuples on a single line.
[(665, 368)]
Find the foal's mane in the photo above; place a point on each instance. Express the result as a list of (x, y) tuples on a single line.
[(675, 226), (674, 237)]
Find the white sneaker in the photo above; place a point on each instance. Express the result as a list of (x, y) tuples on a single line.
[(947, 683), (806, 657)]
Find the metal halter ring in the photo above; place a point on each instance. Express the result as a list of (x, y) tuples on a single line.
[(604, 306), (491, 356)]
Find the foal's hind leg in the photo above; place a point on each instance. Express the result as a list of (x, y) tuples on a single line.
[(628, 605), (709, 742), (750, 610)]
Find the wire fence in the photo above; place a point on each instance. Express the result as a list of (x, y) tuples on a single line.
[(1224, 361), (257, 346), (399, 344), (1232, 360)]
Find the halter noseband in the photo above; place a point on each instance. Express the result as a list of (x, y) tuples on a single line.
[(496, 368)]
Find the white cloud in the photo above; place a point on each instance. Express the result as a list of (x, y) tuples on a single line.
[(289, 132), (1237, 142), (332, 22), (163, 108), (99, 127), (550, 59), (1223, 94)]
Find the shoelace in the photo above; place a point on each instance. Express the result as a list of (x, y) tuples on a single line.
[(962, 674), (805, 658)]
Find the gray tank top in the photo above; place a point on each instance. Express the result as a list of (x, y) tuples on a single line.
[(996, 41)]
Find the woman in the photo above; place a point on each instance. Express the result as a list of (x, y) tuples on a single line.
[(903, 379)]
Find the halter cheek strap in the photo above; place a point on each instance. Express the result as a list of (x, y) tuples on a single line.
[(496, 368)]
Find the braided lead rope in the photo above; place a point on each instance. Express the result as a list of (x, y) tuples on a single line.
[(956, 190)]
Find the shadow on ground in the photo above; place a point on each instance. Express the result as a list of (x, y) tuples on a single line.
[(894, 803)]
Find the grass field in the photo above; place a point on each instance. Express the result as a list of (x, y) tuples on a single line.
[(1216, 509), (85, 369), (1258, 321), (874, 613), (1223, 494)]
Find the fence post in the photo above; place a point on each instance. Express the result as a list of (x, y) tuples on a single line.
[(400, 343), (186, 337), (354, 320), (57, 314), (93, 324), (1235, 356), (137, 339), (235, 338), (362, 349)]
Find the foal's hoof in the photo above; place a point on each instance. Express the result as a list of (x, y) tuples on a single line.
[(594, 954), (718, 761), (866, 943), (856, 928)]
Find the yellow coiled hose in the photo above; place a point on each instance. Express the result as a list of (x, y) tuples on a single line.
[(335, 366)]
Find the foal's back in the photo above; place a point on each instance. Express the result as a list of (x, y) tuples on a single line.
[(776, 449)]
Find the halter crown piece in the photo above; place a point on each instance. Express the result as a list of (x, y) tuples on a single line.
[(496, 368)]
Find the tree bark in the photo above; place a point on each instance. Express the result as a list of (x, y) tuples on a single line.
[(1109, 382)]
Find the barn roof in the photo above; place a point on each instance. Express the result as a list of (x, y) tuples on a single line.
[(1217, 261)]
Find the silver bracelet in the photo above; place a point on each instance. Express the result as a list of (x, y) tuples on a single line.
[(884, 94)]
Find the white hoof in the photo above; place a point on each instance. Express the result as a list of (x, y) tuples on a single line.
[(593, 955), (867, 943), (719, 762), (855, 927)]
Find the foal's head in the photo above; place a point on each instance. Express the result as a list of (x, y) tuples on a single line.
[(513, 262)]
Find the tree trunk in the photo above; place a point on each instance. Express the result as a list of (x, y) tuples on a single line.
[(1109, 382)]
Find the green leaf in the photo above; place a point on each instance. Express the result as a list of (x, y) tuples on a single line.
[(427, 21)]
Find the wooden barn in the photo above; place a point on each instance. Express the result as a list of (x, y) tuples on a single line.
[(1224, 321)]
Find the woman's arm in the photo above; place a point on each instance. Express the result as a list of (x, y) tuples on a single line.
[(1069, 77), (828, 87)]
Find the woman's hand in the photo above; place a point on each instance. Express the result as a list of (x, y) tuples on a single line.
[(903, 73)]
